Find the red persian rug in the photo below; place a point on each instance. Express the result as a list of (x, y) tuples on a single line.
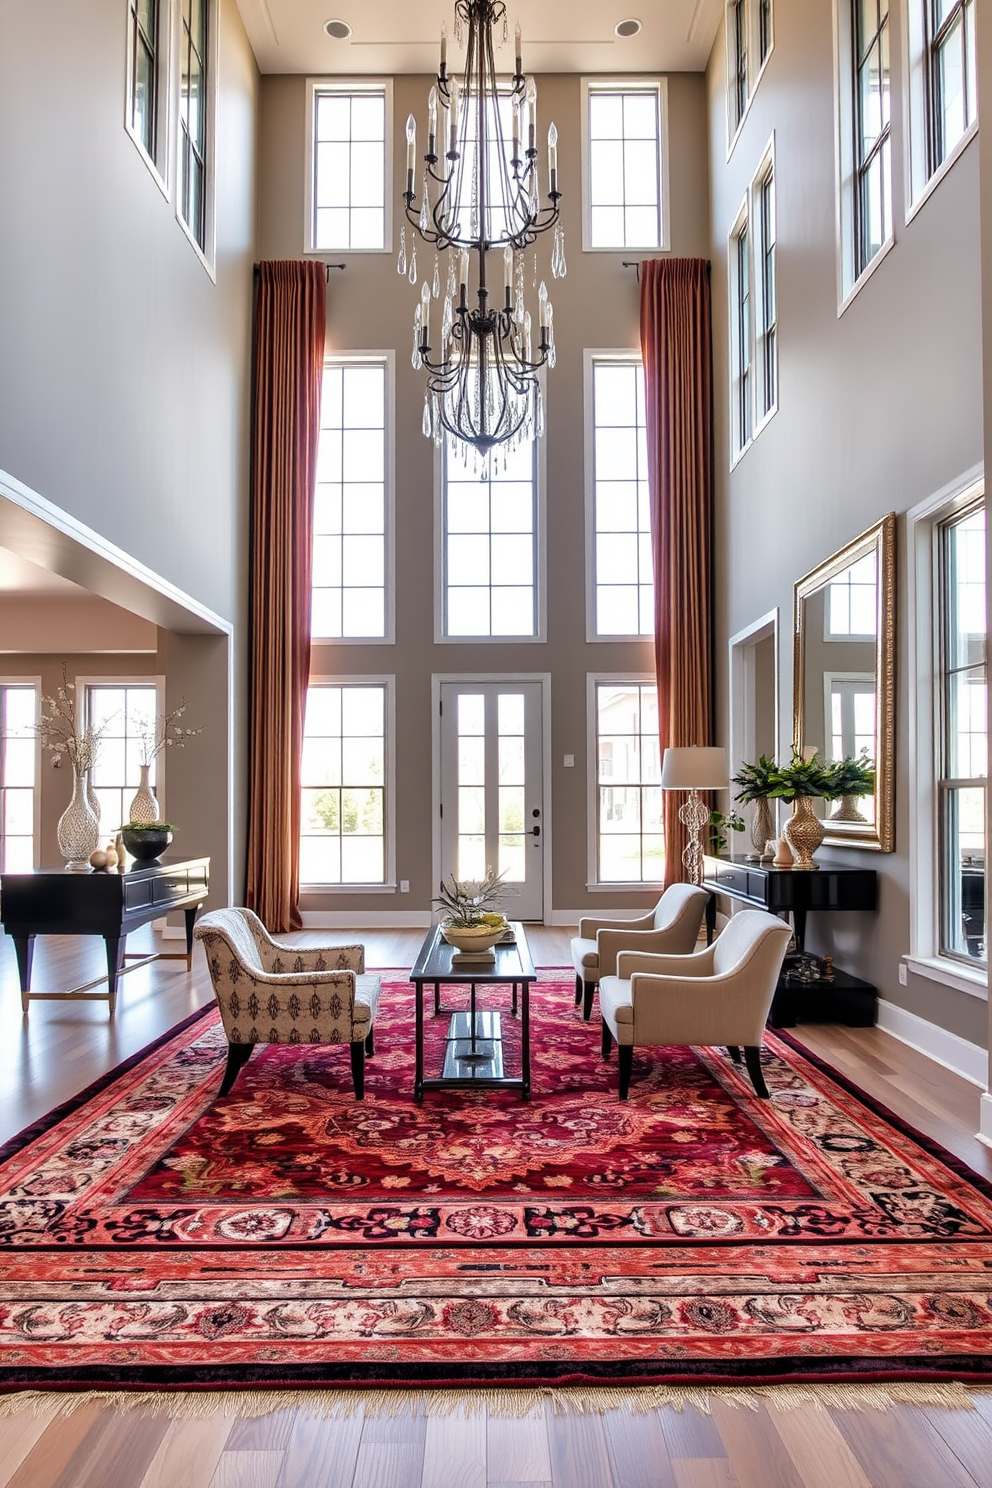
[(153, 1235)]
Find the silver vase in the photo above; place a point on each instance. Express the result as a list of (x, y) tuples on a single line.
[(143, 807), (762, 829), (78, 829)]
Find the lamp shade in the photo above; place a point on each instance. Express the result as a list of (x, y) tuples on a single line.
[(697, 768)]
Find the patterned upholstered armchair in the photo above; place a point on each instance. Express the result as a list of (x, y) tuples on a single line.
[(273, 993)]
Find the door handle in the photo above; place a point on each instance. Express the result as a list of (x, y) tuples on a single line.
[(535, 831)]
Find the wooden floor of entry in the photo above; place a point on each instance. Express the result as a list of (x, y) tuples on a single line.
[(60, 1048)]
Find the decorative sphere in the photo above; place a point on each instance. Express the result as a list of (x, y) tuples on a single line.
[(98, 858)]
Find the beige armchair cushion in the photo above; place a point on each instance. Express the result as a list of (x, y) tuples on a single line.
[(720, 995)]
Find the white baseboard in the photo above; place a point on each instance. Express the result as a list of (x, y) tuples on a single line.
[(955, 1053), (985, 1129), (348, 919), (573, 916)]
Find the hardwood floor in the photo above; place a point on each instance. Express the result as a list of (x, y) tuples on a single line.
[(52, 1054)]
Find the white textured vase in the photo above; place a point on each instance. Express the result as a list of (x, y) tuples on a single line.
[(144, 807), (92, 799), (78, 828), (762, 829)]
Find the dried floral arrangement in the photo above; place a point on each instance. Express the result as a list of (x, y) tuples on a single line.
[(470, 902), (164, 732), (59, 730)]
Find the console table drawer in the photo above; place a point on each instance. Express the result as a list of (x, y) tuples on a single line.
[(170, 888), (735, 880), (138, 893)]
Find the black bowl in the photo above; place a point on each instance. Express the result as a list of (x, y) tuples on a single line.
[(148, 845)]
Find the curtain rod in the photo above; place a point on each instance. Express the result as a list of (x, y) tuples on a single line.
[(327, 268)]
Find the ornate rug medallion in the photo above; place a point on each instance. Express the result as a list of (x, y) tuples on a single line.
[(154, 1234)]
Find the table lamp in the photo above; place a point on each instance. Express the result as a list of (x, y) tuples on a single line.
[(694, 769)]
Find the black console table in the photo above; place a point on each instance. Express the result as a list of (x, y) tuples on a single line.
[(845, 998), (53, 901)]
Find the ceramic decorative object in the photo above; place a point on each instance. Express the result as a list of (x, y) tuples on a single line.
[(762, 829), (804, 832), (848, 810), (144, 807), (473, 940), (78, 828), (781, 853), (147, 844)]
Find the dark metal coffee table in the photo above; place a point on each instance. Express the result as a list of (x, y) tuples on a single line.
[(474, 1048)]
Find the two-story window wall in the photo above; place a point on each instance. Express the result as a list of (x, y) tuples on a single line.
[(346, 775), (628, 839), (622, 588), (195, 87), (489, 527), (347, 197), (623, 176), (872, 118)]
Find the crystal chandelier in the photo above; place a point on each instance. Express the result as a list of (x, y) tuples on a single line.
[(480, 197)]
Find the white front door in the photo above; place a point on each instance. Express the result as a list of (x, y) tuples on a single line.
[(492, 794)]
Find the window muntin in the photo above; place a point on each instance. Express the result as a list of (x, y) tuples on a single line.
[(767, 331), (350, 503), (127, 712), (872, 149), (18, 758), (343, 806), (962, 735), (194, 86), (624, 175), (953, 73), (348, 182), (629, 838), (489, 540), (623, 566)]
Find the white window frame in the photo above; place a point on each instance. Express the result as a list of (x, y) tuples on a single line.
[(594, 884), (387, 360), (921, 174), (36, 684), (316, 85), (629, 84), (441, 638), (160, 164), (851, 280), (741, 404), (152, 679), (755, 62), (591, 359), (207, 251), (389, 885), (923, 525)]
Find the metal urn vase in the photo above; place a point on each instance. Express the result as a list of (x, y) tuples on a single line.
[(804, 832), (144, 807), (78, 828)]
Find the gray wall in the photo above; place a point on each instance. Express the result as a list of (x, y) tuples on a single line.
[(371, 307), (124, 374), (878, 409)]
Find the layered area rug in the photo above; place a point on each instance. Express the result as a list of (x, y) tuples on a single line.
[(153, 1235)]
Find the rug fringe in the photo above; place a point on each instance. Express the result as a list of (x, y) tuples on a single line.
[(242, 1405)]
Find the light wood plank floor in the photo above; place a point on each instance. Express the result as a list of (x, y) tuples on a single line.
[(60, 1048)]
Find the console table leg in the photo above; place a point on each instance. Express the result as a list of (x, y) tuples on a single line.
[(115, 955), (24, 950), (418, 1042), (190, 920)]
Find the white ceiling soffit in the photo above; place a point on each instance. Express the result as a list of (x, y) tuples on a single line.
[(395, 36)]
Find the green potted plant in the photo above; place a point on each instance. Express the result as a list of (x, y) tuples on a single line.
[(852, 777), (755, 784), (722, 822), (146, 841)]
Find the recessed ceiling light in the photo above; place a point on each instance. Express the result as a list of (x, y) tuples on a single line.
[(627, 28), (340, 30)]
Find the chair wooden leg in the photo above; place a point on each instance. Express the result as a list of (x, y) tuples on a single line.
[(734, 1051), (358, 1068), (752, 1058), (238, 1056), (578, 990), (607, 1040), (625, 1056), (589, 989), (370, 1043)]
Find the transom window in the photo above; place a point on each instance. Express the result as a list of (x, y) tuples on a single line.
[(489, 526), (629, 842), (194, 85), (953, 73), (350, 504), (623, 569), (624, 166), (348, 180), (872, 153), (962, 735), (127, 714), (18, 756), (343, 815)]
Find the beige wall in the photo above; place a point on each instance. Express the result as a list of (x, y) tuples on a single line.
[(124, 374), (371, 308), (878, 409)]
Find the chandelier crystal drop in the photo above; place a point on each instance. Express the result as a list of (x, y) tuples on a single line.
[(480, 202)]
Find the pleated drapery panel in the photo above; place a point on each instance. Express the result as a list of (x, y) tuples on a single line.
[(676, 349), (290, 322)]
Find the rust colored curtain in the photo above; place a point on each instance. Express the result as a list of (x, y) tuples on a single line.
[(678, 385), (290, 316)]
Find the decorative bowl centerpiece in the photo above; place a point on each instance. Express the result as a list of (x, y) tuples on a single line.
[(147, 841), (470, 921)]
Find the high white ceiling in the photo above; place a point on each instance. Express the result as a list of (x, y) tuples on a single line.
[(396, 36)]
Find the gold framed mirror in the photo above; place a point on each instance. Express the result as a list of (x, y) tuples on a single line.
[(844, 677)]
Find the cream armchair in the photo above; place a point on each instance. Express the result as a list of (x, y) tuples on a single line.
[(270, 992), (672, 926), (721, 995)]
